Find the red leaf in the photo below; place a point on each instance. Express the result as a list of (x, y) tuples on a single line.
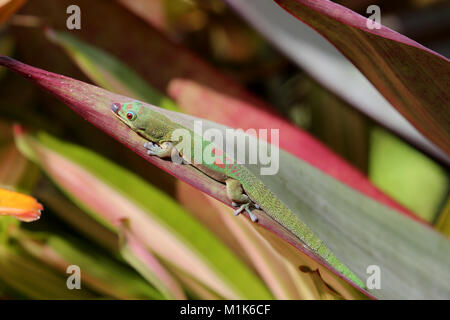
[(414, 79), (200, 89)]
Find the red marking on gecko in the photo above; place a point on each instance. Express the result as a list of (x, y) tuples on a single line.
[(236, 168), (218, 162)]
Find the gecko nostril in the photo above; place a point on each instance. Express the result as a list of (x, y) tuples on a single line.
[(115, 107)]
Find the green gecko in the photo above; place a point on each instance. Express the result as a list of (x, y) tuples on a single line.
[(244, 189)]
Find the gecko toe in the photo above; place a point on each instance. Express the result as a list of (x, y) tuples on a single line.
[(246, 207), (253, 217), (238, 211), (148, 145)]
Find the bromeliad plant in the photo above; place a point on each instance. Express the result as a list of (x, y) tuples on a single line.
[(321, 225)]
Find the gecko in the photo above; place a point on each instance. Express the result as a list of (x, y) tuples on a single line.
[(244, 190)]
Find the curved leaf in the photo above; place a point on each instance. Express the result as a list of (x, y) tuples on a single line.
[(137, 255), (358, 230), (107, 71), (35, 280), (197, 99), (277, 262), (169, 67), (414, 79), (111, 194), (100, 272), (319, 58)]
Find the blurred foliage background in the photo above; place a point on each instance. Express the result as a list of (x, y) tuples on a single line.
[(75, 230)]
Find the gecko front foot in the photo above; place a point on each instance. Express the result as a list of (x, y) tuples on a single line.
[(165, 150), (148, 145), (246, 207), (152, 148), (162, 151)]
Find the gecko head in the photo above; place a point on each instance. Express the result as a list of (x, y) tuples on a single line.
[(131, 113)]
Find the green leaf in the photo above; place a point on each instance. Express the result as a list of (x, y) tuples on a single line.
[(407, 175), (108, 72), (33, 279), (99, 272), (160, 223), (277, 261), (358, 230), (198, 88)]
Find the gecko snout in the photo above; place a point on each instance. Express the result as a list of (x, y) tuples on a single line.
[(115, 107)]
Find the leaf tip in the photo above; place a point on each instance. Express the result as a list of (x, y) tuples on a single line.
[(21, 206), (6, 61), (18, 130)]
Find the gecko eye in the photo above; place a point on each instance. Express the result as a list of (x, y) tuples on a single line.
[(131, 115)]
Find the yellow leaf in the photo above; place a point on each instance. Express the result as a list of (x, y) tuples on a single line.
[(20, 206)]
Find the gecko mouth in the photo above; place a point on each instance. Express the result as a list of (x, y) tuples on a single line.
[(115, 107)]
